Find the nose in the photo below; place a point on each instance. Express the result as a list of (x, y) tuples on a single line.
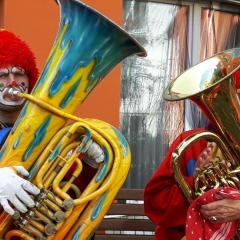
[(12, 81)]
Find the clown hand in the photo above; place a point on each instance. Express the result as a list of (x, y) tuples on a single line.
[(93, 154), (15, 190)]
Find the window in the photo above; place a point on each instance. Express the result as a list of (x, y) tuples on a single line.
[(176, 35)]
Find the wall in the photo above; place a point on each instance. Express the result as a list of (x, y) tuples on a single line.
[(36, 22)]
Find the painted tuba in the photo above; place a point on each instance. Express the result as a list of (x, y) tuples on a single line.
[(87, 47), (211, 86)]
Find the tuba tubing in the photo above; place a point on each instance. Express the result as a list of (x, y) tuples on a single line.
[(189, 193), (87, 47)]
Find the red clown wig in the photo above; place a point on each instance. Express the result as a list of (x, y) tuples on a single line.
[(16, 52)]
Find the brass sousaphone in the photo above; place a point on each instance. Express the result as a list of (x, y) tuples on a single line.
[(87, 47), (211, 86)]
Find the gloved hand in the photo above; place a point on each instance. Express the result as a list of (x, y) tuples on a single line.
[(92, 154), (15, 189)]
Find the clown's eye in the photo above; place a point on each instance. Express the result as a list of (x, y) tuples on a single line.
[(18, 71), (4, 72)]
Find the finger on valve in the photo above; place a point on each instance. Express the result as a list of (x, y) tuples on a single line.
[(93, 154), (15, 190)]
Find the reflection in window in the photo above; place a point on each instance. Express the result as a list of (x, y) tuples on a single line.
[(147, 121)]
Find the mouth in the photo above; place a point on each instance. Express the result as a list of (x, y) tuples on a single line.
[(11, 94)]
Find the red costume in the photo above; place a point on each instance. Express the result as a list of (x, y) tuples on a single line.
[(163, 201)]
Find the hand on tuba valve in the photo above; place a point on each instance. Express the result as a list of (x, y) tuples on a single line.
[(15, 189), (204, 160), (93, 153)]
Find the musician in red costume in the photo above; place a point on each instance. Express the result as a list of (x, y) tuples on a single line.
[(18, 71), (164, 203)]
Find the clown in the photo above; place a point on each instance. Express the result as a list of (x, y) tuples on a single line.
[(19, 73)]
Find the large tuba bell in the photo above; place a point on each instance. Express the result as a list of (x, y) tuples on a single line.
[(87, 47), (210, 85)]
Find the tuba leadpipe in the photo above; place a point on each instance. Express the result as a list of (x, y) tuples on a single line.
[(87, 47)]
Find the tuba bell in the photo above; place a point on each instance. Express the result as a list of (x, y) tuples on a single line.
[(211, 86), (88, 45)]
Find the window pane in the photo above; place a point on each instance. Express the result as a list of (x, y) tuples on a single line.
[(147, 121)]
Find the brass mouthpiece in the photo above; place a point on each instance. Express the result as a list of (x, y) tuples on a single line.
[(13, 93)]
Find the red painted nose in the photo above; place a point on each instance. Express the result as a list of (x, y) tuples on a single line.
[(14, 83)]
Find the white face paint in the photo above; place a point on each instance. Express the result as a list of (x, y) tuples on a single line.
[(7, 98), (12, 79)]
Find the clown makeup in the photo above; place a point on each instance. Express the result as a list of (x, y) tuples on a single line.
[(12, 79)]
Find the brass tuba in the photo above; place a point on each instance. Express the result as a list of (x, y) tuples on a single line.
[(210, 85), (87, 47)]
